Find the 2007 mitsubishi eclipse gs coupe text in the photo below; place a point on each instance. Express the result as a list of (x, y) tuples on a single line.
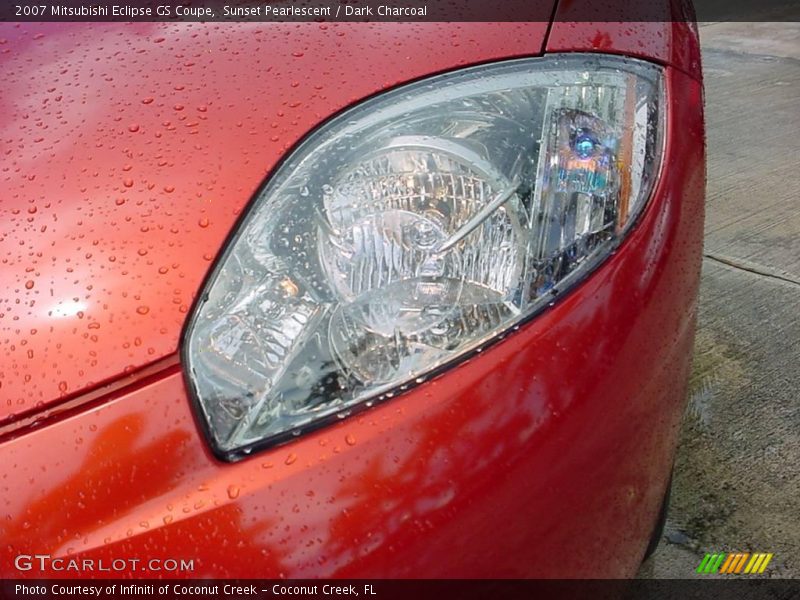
[(345, 299)]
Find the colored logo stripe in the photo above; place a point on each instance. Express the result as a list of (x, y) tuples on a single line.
[(711, 563), (734, 563), (758, 563), (737, 562)]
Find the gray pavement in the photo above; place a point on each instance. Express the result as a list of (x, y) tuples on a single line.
[(737, 479)]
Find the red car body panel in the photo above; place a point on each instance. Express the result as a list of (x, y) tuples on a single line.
[(663, 32), (556, 442), (131, 149)]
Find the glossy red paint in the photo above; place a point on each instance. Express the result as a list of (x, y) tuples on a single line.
[(129, 151), (557, 442), (663, 32)]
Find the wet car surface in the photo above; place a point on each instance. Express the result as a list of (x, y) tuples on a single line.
[(127, 173)]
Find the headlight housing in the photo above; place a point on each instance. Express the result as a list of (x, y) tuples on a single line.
[(412, 230)]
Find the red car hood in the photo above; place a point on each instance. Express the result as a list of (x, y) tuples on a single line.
[(129, 150)]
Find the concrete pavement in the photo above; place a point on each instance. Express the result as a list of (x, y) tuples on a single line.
[(737, 479)]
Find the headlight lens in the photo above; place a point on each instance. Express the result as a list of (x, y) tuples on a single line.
[(413, 229)]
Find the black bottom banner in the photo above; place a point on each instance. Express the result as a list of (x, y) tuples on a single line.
[(420, 589)]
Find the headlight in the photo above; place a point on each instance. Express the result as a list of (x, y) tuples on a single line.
[(414, 229)]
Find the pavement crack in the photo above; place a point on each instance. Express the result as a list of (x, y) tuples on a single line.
[(751, 268)]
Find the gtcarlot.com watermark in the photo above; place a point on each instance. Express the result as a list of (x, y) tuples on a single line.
[(48, 563)]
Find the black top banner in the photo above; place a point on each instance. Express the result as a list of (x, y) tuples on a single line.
[(399, 10)]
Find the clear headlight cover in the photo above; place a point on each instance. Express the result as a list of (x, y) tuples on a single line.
[(414, 229)]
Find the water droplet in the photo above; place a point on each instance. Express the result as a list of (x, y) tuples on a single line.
[(233, 492), (350, 439), (291, 458), (133, 127), (142, 310), (28, 284)]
